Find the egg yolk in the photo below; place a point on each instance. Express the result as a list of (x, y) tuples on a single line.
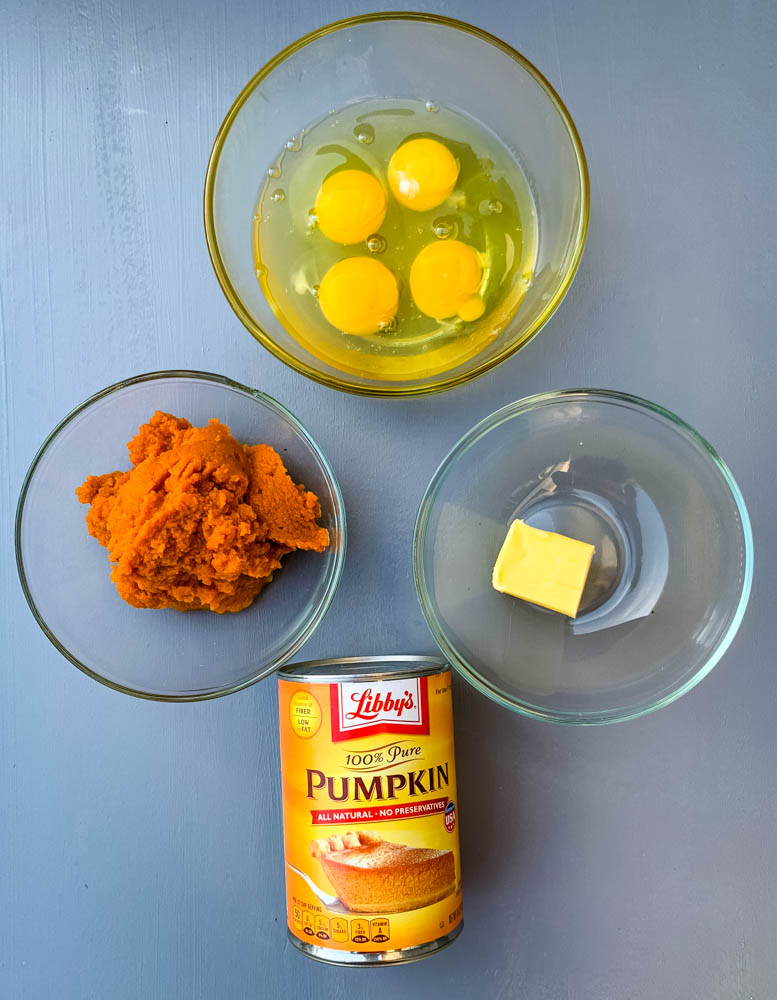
[(422, 173), (350, 206), (444, 280), (359, 295)]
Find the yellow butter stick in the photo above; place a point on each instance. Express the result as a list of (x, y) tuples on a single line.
[(543, 568)]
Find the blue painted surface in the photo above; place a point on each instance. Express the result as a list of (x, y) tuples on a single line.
[(140, 844)]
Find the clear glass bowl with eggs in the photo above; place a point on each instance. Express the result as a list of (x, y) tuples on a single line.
[(396, 203)]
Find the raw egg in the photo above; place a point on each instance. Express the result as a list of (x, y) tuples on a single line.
[(359, 295), (350, 206), (444, 281), (394, 239), (422, 173)]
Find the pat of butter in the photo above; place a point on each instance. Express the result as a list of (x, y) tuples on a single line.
[(543, 568)]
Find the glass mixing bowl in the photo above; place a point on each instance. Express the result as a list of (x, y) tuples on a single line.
[(65, 573), (406, 56), (670, 577)]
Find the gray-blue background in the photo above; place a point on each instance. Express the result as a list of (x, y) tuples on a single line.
[(140, 844)]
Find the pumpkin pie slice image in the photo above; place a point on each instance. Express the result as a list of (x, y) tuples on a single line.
[(373, 875)]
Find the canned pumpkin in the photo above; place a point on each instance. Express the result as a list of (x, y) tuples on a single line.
[(371, 840)]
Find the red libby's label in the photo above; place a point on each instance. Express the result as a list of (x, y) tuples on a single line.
[(397, 706)]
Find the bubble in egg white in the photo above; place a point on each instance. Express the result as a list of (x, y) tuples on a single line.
[(364, 133), (376, 243)]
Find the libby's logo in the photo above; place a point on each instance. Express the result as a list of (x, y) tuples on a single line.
[(375, 704), (400, 706)]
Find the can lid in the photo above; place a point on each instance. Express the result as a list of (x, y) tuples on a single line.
[(343, 668)]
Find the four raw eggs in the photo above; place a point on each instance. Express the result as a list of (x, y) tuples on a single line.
[(360, 295)]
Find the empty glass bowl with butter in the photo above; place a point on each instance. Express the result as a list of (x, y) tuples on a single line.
[(671, 569)]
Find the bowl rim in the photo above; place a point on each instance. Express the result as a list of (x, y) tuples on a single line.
[(334, 575), (389, 388), (471, 438)]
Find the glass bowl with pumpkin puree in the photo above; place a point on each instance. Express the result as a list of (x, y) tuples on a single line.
[(179, 536)]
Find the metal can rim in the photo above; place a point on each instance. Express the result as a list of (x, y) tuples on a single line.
[(373, 959), (335, 669)]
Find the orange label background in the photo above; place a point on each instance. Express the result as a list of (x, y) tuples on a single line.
[(299, 753)]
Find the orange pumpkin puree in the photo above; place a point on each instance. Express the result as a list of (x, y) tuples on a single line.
[(200, 521)]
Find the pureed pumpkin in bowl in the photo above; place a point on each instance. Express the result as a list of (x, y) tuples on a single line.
[(201, 521)]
